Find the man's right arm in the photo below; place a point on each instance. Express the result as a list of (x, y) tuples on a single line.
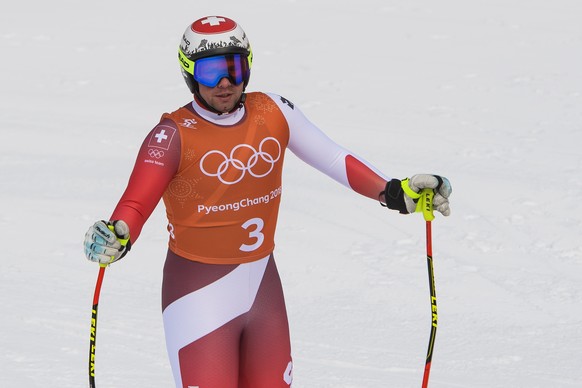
[(157, 162)]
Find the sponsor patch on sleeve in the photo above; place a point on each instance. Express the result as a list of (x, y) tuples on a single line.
[(162, 137)]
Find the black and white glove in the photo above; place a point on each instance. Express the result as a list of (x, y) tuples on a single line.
[(107, 242), (403, 195)]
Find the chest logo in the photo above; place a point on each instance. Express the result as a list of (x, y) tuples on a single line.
[(243, 159)]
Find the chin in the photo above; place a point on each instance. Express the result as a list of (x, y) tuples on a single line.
[(226, 109)]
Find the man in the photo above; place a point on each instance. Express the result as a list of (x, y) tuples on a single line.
[(217, 164)]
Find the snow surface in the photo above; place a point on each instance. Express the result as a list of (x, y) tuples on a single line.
[(487, 93)]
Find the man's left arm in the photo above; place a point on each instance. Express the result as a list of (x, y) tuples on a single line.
[(315, 148)]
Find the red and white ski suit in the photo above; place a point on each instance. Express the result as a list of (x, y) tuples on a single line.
[(220, 179)]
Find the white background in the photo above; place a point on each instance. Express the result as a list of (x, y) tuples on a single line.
[(487, 93)]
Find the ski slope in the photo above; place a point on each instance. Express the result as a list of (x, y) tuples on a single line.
[(487, 93)]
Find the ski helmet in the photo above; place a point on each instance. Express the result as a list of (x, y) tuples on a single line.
[(211, 36)]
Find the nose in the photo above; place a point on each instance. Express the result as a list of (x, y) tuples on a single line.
[(223, 83)]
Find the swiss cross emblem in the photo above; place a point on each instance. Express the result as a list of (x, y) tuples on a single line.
[(213, 20), (213, 25), (162, 137)]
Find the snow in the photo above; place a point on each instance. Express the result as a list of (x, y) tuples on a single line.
[(487, 93)]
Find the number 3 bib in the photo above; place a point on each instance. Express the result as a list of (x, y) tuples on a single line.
[(222, 204)]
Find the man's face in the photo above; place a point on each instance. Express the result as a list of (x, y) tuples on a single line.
[(224, 96)]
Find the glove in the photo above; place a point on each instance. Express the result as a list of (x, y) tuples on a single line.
[(402, 195), (107, 242)]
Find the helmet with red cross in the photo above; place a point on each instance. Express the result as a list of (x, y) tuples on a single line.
[(212, 48)]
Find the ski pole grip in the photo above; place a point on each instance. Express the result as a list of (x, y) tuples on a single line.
[(424, 199), (425, 204)]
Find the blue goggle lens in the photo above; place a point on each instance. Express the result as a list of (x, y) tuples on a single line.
[(209, 71)]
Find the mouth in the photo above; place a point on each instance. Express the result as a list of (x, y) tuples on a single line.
[(224, 94)]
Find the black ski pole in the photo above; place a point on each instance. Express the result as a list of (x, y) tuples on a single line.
[(93, 337)]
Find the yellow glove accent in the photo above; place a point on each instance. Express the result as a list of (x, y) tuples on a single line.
[(122, 241), (424, 203), (407, 190)]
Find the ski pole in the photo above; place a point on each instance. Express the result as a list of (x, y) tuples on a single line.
[(124, 241), (427, 210), (93, 337)]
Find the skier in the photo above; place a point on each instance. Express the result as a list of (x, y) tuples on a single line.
[(217, 163)]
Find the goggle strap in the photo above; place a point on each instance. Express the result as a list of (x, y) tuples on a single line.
[(186, 63)]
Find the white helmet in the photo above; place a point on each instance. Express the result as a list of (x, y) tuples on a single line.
[(211, 36)]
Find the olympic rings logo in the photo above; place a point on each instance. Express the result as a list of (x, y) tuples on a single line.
[(232, 161), (153, 153)]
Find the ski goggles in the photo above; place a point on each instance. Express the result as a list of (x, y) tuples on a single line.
[(209, 71)]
